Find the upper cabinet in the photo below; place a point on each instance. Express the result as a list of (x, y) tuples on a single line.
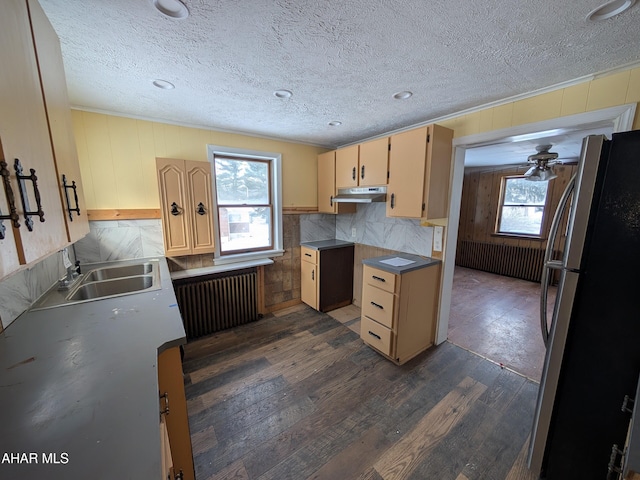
[(56, 100), (419, 173), (32, 194), (327, 186), (363, 165), (186, 204)]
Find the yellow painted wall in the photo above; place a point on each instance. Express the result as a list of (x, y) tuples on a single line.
[(117, 159), (609, 91)]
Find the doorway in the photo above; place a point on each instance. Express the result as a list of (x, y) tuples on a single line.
[(472, 302)]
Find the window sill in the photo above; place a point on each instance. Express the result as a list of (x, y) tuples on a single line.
[(243, 257), (520, 236), (228, 267)]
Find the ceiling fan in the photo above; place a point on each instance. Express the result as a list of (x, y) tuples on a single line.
[(541, 170)]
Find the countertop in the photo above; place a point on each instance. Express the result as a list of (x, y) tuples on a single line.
[(82, 381), (326, 244), (417, 262)]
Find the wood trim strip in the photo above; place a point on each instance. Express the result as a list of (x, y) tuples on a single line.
[(299, 210), (123, 214)]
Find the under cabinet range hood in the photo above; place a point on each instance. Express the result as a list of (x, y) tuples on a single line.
[(361, 195)]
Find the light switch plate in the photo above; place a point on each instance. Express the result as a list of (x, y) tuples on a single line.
[(353, 232)]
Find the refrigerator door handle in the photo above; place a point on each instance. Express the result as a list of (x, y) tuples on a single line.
[(549, 264)]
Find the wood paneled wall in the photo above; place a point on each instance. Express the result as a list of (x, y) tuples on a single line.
[(478, 213), (479, 207)]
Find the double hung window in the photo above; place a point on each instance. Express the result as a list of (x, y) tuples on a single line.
[(522, 206)]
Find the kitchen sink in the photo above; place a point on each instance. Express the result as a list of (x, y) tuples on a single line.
[(105, 281), (107, 273), (110, 288)]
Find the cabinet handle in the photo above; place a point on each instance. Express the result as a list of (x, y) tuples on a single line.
[(362, 172), (313, 274), (378, 306), (331, 200), (353, 173), (380, 279), (165, 410), (175, 209), (73, 187), (625, 404), (612, 469), (393, 200), (23, 195), (11, 201), (307, 254), (201, 210), (179, 476), (374, 335)]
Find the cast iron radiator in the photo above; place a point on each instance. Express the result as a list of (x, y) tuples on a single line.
[(508, 260), (212, 303)]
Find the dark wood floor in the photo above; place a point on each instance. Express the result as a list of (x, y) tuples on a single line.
[(299, 396)]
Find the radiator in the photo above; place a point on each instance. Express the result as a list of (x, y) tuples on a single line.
[(508, 260), (210, 304)]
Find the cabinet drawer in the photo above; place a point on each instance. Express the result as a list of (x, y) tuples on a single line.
[(379, 278), (309, 254), (378, 305), (376, 335)]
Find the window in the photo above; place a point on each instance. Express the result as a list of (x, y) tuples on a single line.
[(247, 196), (521, 208)]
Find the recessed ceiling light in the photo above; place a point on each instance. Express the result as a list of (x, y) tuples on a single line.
[(335, 123), (610, 9), (283, 93), (402, 95), (163, 84), (171, 8)]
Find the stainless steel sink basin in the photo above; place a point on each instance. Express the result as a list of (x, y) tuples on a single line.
[(108, 273), (110, 288), (105, 281)]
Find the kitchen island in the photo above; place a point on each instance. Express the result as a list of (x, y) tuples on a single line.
[(79, 387)]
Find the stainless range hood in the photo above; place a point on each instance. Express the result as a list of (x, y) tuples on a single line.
[(361, 195)]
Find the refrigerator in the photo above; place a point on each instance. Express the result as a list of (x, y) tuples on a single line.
[(593, 336)]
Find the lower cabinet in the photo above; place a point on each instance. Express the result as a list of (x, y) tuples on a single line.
[(173, 410), (399, 311), (327, 276)]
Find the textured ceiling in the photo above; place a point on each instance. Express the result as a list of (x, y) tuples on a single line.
[(343, 60)]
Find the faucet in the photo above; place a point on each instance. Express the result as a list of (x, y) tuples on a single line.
[(72, 275)]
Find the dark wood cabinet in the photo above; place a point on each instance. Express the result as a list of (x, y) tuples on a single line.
[(327, 275)]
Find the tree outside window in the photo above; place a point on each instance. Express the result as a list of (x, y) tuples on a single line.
[(244, 200), (522, 204)]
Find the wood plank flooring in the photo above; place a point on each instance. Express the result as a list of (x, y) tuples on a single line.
[(298, 395)]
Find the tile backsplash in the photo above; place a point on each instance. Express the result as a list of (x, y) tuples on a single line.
[(374, 228)]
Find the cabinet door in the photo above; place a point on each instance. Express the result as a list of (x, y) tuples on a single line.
[(25, 136), (438, 171), (374, 162), (200, 206), (170, 381), (326, 182), (309, 284), (54, 87), (175, 218), (407, 173), (347, 174)]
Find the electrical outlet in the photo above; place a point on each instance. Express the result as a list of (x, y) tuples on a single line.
[(353, 232)]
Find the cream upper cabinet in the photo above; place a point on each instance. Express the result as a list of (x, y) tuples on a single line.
[(24, 135), (54, 87), (327, 186), (373, 164), (186, 205), (347, 166), (363, 165), (419, 171)]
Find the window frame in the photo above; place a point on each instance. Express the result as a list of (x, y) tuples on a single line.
[(545, 207), (275, 188)]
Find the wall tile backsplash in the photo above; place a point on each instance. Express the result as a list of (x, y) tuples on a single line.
[(374, 228), (120, 240)]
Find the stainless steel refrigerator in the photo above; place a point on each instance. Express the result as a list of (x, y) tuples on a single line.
[(593, 342)]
